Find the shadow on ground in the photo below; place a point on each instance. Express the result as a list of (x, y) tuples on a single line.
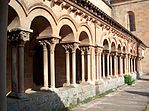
[(139, 93), (37, 101)]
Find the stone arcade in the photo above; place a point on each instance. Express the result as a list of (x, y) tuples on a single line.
[(70, 47)]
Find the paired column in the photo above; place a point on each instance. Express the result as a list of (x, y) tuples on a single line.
[(111, 70), (103, 63), (128, 63), (121, 64), (88, 64), (83, 63), (67, 52), (52, 41), (107, 56), (45, 66), (98, 63), (17, 38), (74, 46), (115, 65)]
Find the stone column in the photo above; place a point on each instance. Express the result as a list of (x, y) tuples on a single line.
[(115, 65), (97, 64), (103, 59), (13, 43), (128, 63), (134, 64), (3, 53), (107, 55), (100, 60), (82, 63), (67, 65), (88, 64), (45, 66), (22, 38), (52, 41), (19, 36), (111, 70), (121, 65), (74, 46)]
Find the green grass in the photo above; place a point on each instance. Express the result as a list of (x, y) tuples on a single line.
[(90, 99)]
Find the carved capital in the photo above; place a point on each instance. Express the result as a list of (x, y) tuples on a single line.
[(18, 36)]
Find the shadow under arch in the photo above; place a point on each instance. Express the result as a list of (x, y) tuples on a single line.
[(41, 28)]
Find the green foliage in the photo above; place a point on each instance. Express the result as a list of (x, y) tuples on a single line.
[(128, 80)]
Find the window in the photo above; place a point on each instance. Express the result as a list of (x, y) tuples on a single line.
[(131, 21)]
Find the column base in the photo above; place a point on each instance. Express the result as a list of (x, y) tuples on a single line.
[(44, 89), (74, 85), (108, 77), (13, 95), (22, 95), (66, 84), (53, 89), (98, 82), (83, 83)]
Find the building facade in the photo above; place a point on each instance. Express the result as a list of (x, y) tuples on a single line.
[(70, 47), (140, 20)]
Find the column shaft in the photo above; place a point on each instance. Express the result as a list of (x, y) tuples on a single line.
[(97, 66), (74, 67), (103, 68), (21, 71), (107, 65), (14, 71), (121, 65), (88, 67), (45, 66), (115, 65), (52, 69), (111, 71), (67, 68), (99, 73), (82, 63)]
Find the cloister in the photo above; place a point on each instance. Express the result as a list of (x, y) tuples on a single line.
[(60, 43)]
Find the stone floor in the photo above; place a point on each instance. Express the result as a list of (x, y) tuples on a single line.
[(126, 98)]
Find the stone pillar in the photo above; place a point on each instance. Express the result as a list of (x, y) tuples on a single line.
[(3, 53), (74, 46), (121, 65), (14, 87), (134, 64), (97, 64), (128, 64), (83, 65), (22, 38), (111, 70), (107, 55), (52, 41), (100, 60), (14, 72), (67, 65), (45, 66), (88, 64), (115, 65), (18, 36), (103, 59)]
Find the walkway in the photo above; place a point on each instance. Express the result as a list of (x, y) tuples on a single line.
[(126, 98)]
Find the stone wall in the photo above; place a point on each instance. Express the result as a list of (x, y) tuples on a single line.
[(62, 98), (141, 10)]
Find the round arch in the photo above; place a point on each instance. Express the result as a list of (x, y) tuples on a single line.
[(85, 31), (106, 44), (41, 12), (67, 22)]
